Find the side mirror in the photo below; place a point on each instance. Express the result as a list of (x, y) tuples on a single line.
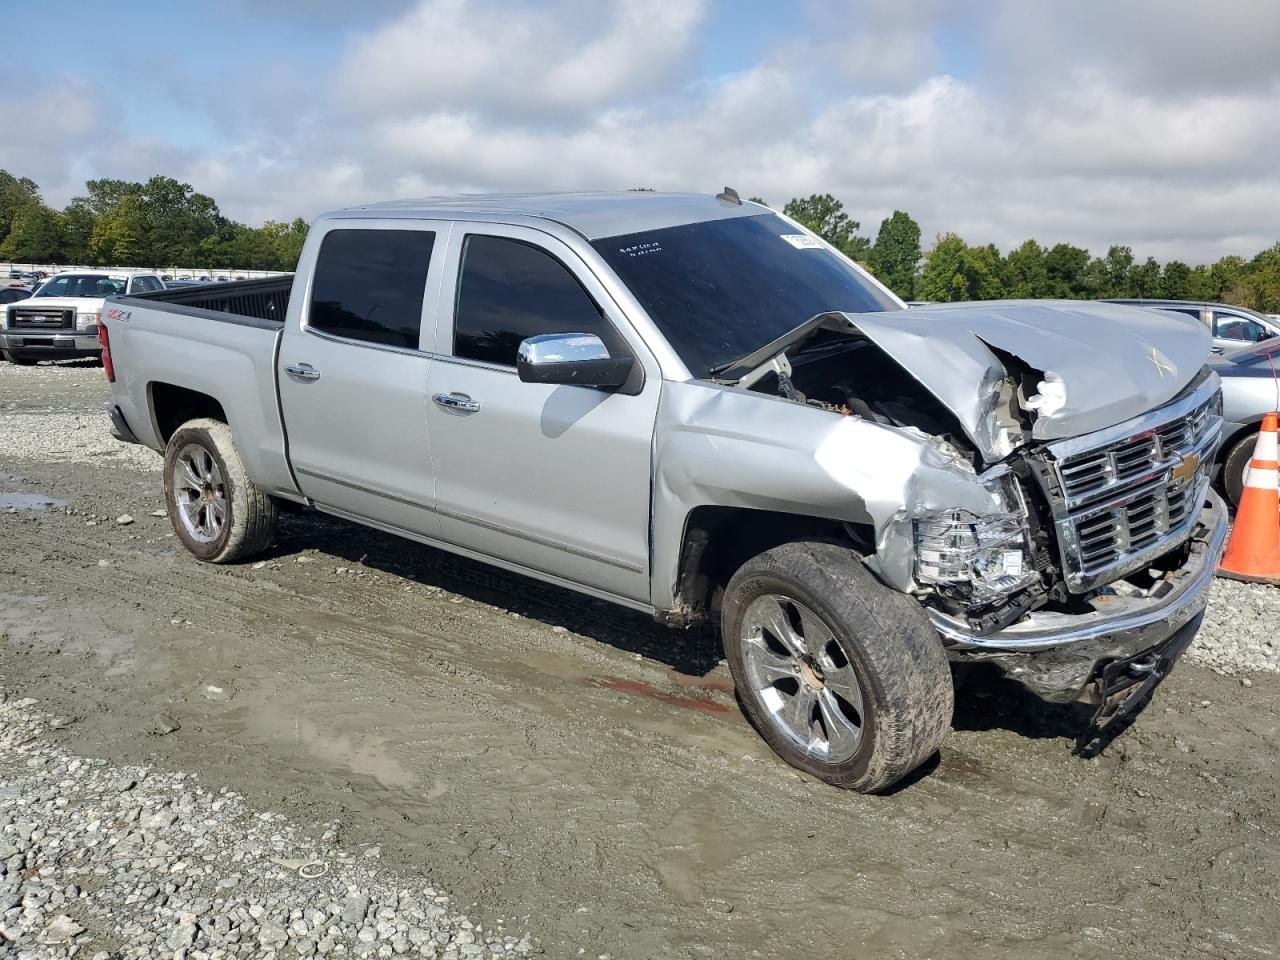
[(571, 358)]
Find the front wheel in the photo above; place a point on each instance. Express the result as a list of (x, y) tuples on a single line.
[(1234, 466), (217, 512), (844, 678)]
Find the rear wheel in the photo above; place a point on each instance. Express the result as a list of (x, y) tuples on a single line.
[(21, 359), (1234, 466), (216, 510), (843, 677)]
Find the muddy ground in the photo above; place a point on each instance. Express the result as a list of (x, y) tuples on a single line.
[(553, 758)]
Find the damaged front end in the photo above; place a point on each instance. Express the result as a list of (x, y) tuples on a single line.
[(1067, 533)]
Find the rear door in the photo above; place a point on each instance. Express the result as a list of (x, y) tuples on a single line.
[(352, 371), (551, 477)]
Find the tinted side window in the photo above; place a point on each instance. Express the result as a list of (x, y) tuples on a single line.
[(369, 285), (1234, 326), (510, 290)]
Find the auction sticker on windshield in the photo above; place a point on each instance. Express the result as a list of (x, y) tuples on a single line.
[(802, 242)]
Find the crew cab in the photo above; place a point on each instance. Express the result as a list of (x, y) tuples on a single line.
[(60, 319), (694, 407)]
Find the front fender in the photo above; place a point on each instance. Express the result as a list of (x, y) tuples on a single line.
[(718, 445)]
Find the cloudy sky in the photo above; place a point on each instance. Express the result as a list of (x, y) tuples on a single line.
[(1154, 123)]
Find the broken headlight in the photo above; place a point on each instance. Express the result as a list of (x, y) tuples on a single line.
[(974, 558)]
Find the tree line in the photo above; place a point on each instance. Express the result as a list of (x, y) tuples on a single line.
[(121, 223), (954, 270), (163, 222)]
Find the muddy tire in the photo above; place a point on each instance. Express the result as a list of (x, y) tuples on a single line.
[(21, 359), (1233, 467), (844, 678), (216, 510)]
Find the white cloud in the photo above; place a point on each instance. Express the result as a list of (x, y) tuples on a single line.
[(1062, 131), (573, 55)]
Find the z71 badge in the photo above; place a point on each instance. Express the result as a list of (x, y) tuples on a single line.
[(115, 313)]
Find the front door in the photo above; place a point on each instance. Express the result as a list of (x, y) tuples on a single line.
[(550, 477), (353, 372)]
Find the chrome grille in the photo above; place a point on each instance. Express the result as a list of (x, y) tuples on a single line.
[(1125, 495), (37, 318)]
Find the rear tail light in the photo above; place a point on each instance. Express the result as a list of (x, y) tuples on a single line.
[(105, 340)]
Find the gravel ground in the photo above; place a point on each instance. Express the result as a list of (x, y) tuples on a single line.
[(48, 437), (124, 862), (1241, 630)]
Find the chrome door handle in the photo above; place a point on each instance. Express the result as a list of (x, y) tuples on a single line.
[(302, 371), (459, 402)]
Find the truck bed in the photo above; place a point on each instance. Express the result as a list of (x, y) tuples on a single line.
[(265, 300), (172, 348)]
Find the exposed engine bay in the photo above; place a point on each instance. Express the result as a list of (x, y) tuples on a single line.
[(990, 570), (848, 375)]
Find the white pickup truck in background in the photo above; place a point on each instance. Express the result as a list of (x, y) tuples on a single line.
[(60, 319)]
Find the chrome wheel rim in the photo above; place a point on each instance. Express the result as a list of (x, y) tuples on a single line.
[(800, 674), (199, 493)]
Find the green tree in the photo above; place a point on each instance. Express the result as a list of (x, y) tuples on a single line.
[(896, 252), (825, 216), (955, 271), (288, 241), (117, 237), (177, 220), (35, 236), (1094, 281), (1175, 281), (77, 229), (1119, 269), (1200, 286), (1065, 266), (16, 193), (1225, 275), (1146, 279), (1024, 272)]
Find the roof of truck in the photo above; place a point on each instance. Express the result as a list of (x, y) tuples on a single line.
[(594, 215)]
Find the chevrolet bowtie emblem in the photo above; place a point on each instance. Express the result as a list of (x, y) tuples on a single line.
[(1187, 468), (1161, 366)]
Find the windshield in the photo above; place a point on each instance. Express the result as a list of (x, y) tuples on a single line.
[(724, 288), (82, 285)]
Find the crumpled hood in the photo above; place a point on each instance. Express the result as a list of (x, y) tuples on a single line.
[(1105, 362)]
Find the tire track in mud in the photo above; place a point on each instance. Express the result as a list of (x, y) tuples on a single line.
[(473, 733)]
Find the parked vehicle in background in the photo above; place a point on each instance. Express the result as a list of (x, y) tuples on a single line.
[(13, 294), (694, 407), (179, 284), (1232, 327), (60, 319), (1250, 390)]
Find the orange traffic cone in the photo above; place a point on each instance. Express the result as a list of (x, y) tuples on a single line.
[(1253, 552)]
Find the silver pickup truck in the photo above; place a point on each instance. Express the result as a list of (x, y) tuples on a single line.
[(694, 407)]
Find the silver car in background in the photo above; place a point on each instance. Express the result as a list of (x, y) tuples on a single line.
[(1232, 327), (1250, 390)]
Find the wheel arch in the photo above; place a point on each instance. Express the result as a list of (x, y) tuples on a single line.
[(717, 540), (1229, 440), (172, 405)]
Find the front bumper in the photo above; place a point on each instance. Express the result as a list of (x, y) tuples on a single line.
[(1056, 655), (64, 342)]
